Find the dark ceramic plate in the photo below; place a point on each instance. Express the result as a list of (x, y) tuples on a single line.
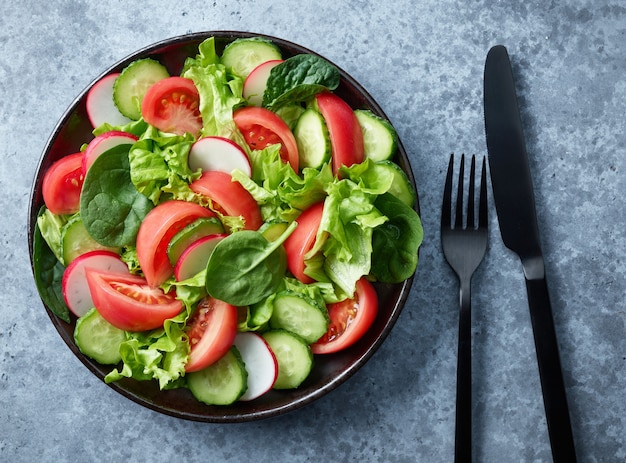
[(329, 371)]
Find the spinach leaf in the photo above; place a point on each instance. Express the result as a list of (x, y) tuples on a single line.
[(111, 207), (48, 272), (395, 242), (245, 268), (299, 78)]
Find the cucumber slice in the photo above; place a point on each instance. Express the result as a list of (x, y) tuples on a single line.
[(76, 240), (201, 227), (379, 137), (133, 83), (272, 230), (313, 140), (242, 55), (401, 188), (293, 355), (299, 314), (221, 383), (98, 339)]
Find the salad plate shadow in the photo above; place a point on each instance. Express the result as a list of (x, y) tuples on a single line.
[(329, 371)]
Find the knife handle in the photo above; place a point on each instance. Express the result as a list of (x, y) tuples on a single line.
[(552, 385)]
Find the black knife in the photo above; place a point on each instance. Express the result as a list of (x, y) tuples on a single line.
[(515, 206)]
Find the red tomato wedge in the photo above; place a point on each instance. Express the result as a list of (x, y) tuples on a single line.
[(261, 127), (302, 240), (127, 301), (349, 319), (173, 105), (229, 196), (212, 331), (157, 230), (346, 136), (62, 184)]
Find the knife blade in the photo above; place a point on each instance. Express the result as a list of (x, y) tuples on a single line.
[(515, 207)]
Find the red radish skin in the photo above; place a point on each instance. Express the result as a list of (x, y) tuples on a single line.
[(103, 143), (256, 82), (220, 154), (260, 361), (100, 105), (196, 256), (74, 283)]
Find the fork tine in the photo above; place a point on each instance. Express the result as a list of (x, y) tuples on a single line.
[(458, 223), (470, 195), (446, 220), (482, 206)]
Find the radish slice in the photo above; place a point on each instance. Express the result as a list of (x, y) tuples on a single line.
[(103, 143), (218, 153), (100, 105), (260, 361), (74, 282), (196, 256), (256, 82)]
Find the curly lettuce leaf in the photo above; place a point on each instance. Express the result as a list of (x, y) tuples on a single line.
[(159, 166), (395, 243), (281, 193), (345, 235), (159, 354), (219, 92), (50, 227)]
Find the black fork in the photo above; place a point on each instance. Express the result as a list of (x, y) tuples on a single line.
[(464, 246)]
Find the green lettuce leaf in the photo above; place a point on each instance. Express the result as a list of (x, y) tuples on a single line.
[(395, 243), (219, 92), (281, 193), (50, 226), (159, 166), (159, 354), (345, 235)]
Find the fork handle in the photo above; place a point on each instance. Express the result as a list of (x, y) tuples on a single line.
[(463, 431), (546, 347)]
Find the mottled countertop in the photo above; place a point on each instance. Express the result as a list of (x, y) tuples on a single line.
[(423, 63)]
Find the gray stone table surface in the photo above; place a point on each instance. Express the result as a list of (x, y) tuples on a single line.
[(423, 62)]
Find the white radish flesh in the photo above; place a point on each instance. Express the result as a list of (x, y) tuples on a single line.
[(218, 154), (256, 82), (105, 142), (196, 256), (74, 282), (261, 364), (100, 105)]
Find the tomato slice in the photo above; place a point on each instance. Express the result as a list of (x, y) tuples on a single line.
[(212, 330), (349, 319), (173, 105), (261, 127), (157, 230), (301, 241), (127, 302), (346, 136), (228, 196), (62, 184)]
